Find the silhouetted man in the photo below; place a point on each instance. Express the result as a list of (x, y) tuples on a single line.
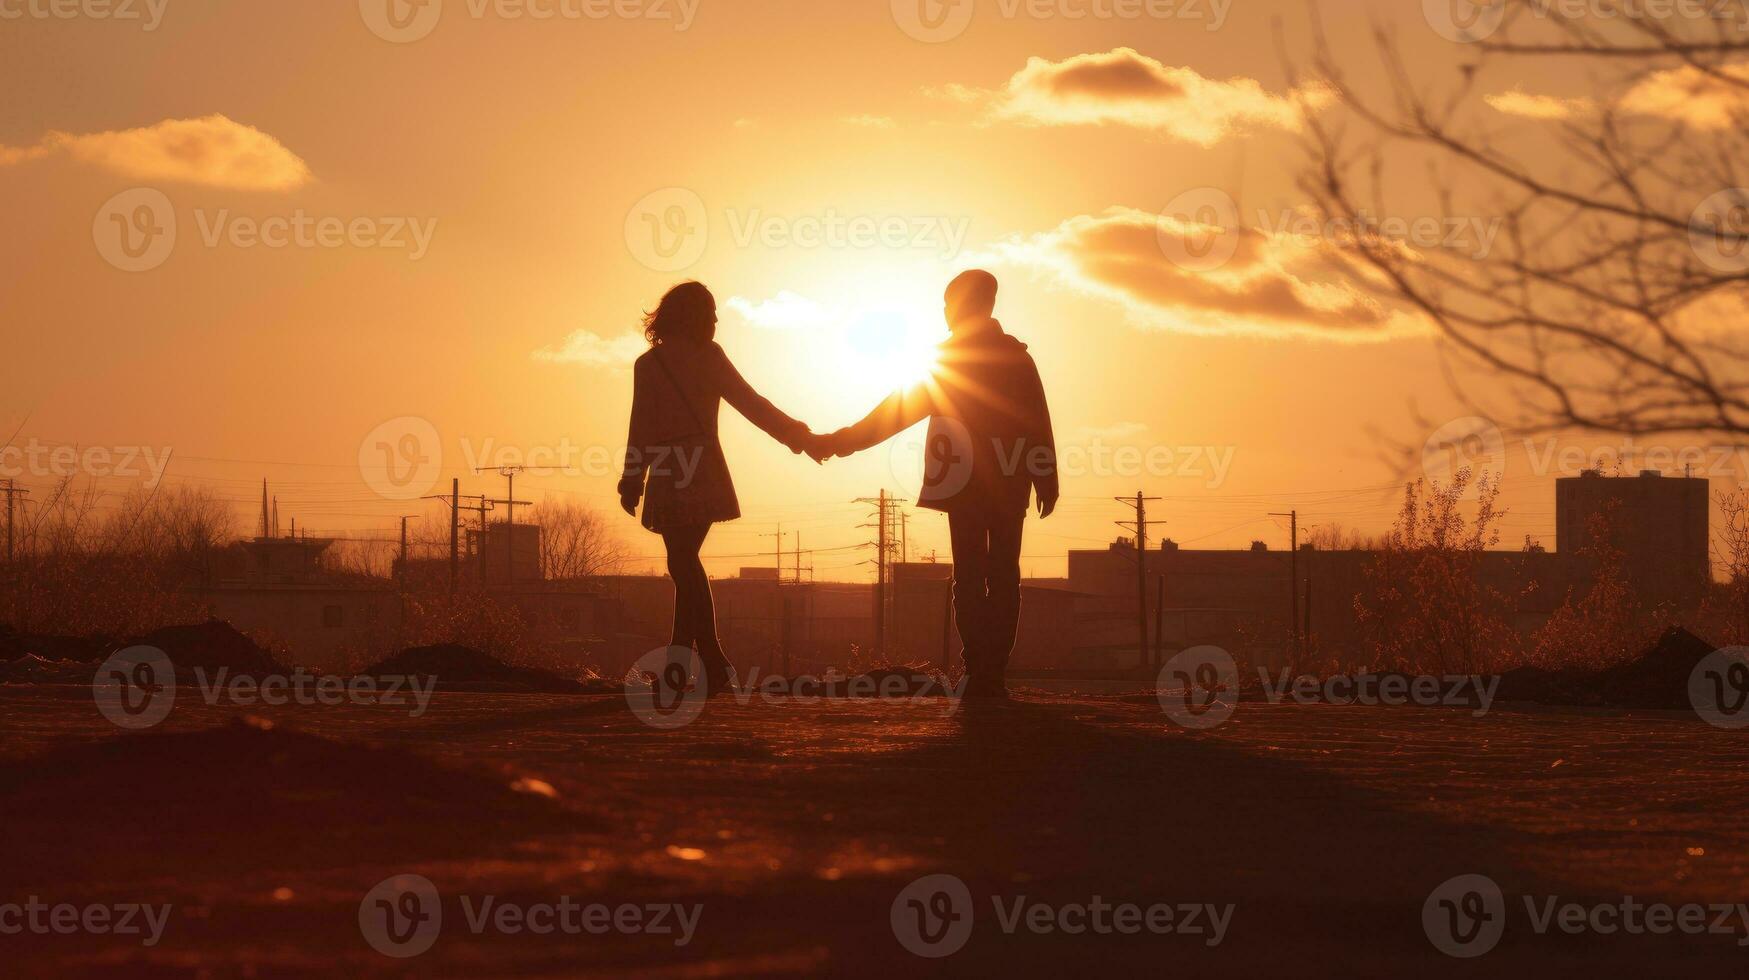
[(989, 448)]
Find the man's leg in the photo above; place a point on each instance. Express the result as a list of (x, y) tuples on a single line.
[(1003, 576), (970, 538)]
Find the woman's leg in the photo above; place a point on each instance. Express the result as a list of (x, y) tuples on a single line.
[(682, 556), (685, 566)]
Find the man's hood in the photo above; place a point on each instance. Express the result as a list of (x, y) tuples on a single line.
[(987, 333)]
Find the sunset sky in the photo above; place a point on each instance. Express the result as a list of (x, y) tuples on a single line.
[(490, 198)]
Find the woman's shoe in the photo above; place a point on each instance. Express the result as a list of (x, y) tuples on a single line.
[(719, 678)]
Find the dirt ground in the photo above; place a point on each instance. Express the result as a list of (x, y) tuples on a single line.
[(793, 827)]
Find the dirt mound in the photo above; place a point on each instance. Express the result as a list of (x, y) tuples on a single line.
[(211, 646), (1657, 678), (32, 669), (82, 649), (252, 796), (461, 668)]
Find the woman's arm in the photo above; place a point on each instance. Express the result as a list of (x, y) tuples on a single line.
[(637, 461), (756, 407)]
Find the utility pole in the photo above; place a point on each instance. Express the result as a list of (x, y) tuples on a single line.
[(481, 547), (883, 564), (11, 491), (1293, 580), (904, 537), (454, 500), (509, 502), (401, 566), (777, 552), (1140, 503), (881, 579)]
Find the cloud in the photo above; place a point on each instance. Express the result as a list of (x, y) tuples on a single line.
[(1692, 96), (1532, 106), (785, 311), (1686, 95), (211, 150), (593, 350), (866, 121), (1124, 87), (1275, 284)]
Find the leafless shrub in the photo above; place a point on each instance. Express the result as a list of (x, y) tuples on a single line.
[(1424, 606)]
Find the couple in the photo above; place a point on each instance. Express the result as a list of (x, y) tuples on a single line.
[(989, 448)]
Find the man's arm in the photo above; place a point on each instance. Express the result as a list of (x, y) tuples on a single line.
[(898, 412), (1044, 476)]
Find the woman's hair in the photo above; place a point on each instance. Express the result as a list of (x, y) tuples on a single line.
[(685, 313)]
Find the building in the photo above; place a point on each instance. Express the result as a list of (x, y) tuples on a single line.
[(1246, 600), (1657, 523), (277, 590)]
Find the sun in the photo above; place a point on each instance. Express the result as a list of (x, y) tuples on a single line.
[(895, 348)]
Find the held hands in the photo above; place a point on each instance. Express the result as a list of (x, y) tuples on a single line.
[(819, 448)]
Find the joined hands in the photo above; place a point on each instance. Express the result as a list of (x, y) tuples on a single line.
[(819, 447)]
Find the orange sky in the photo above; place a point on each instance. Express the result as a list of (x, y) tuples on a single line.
[(475, 250)]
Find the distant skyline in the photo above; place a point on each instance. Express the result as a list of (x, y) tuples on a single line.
[(265, 238)]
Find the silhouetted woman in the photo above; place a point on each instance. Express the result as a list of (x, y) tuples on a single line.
[(674, 461)]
